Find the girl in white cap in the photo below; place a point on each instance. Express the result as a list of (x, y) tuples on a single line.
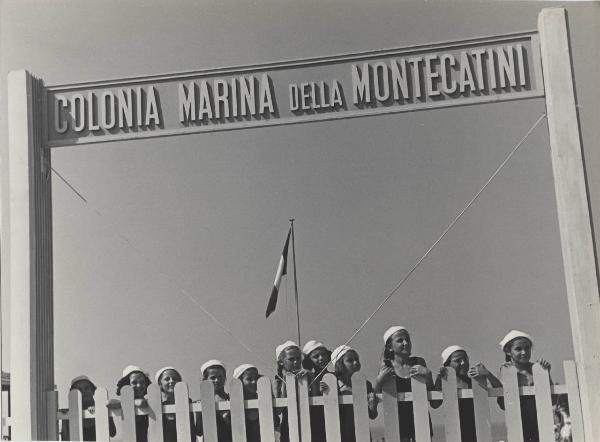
[(139, 381), (346, 362), (399, 364), (87, 389), (166, 378), (289, 361), (316, 359), (456, 357), (517, 346), (214, 370), (248, 375)]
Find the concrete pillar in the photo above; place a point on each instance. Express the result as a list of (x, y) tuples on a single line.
[(29, 270), (574, 218)]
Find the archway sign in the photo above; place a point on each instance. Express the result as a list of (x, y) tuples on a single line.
[(482, 70)]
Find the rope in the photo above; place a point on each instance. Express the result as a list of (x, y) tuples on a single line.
[(446, 230)]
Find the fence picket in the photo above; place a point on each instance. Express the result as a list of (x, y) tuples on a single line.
[(128, 410), (155, 415), (238, 413), (574, 401), (481, 405), (543, 402), (390, 411), (421, 410), (209, 412), (75, 416), (182, 412), (512, 405), (52, 422), (265, 410), (331, 409), (304, 409), (292, 413), (101, 413), (360, 405), (450, 406)]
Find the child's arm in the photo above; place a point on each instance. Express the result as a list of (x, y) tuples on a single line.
[(372, 401), (386, 373), (481, 374), (437, 386), (500, 399), (420, 370)]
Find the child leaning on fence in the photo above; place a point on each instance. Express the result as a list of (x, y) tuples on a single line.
[(346, 362), (215, 371), (399, 364), (248, 375), (87, 389), (517, 346), (316, 358), (166, 378), (289, 361), (139, 381), (456, 357)]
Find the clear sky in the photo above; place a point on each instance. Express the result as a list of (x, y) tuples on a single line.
[(206, 215)]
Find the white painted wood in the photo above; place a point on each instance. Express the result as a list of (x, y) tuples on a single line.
[(265, 410), (421, 410), (361, 406), (101, 414), (75, 416), (209, 414), (238, 413), (574, 401), (155, 414), (481, 405), (512, 405), (543, 403), (128, 410), (182, 412), (293, 414), (303, 409), (331, 408), (390, 411), (574, 219), (28, 273), (450, 407)]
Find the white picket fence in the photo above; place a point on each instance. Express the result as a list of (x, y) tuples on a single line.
[(298, 403)]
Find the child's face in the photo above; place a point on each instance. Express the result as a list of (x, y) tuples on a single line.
[(138, 381), (249, 379), (168, 379), (351, 362), (87, 392), (400, 343), (520, 350), (459, 361), (217, 376), (292, 359), (320, 358)]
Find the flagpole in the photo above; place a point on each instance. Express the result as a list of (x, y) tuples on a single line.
[(295, 281)]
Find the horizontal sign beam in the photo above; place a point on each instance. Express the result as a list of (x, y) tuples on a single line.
[(440, 75)]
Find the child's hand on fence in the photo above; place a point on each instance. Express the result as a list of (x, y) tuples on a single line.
[(443, 372), (386, 373), (302, 373), (478, 370), (113, 404), (544, 363), (323, 387), (142, 403), (91, 409), (419, 371)]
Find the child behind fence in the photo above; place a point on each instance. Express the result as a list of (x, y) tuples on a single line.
[(346, 362), (316, 358), (87, 389), (399, 364), (456, 357), (166, 378), (215, 371), (248, 375), (517, 346), (139, 381)]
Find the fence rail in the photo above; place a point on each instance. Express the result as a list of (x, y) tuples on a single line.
[(298, 405)]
